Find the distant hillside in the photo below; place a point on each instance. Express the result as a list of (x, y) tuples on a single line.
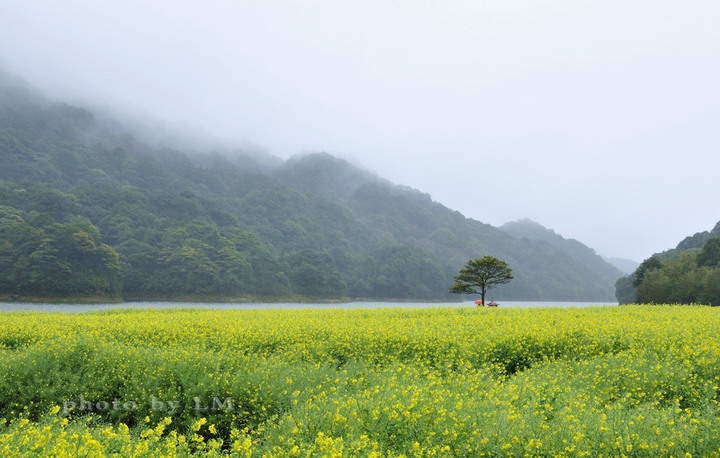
[(412, 218), (626, 266), (686, 274), (87, 203), (585, 255)]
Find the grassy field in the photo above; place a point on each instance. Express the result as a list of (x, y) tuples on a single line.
[(600, 381)]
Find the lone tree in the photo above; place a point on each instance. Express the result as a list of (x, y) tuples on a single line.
[(479, 275)]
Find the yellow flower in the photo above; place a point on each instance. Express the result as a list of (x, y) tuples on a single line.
[(198, 424)]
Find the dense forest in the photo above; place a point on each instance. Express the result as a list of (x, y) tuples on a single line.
[(686, 274), (90, 207)]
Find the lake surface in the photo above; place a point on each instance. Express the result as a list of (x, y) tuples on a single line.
[(78, 308)]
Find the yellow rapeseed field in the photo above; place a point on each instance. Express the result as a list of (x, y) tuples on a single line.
[(446, 381)]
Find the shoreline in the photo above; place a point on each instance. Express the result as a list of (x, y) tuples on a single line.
[(14, 298)]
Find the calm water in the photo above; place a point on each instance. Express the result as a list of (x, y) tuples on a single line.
[(23, 306)]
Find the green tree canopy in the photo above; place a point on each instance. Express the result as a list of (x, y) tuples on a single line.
[(479, 275), (650, 264), (710, 253)]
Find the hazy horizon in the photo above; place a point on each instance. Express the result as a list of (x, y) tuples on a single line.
[(599, 120)]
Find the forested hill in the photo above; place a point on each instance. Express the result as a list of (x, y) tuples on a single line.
[(686, 274), (410, 217), (583, 254), (90, 208)]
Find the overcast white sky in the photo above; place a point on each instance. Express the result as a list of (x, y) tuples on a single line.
[(598, 119)]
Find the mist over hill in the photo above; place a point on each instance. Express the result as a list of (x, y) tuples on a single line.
[(625, 265), (91, 205), (535, 231)]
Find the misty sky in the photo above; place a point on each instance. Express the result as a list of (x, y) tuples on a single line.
[(598, 119)]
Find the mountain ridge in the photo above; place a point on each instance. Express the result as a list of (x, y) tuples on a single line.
[(311, 226)]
